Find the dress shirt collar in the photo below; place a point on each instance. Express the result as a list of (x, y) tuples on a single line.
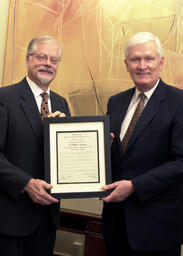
[(36, 90), (148, 94)]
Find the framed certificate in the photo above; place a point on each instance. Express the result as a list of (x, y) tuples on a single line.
[(77, 156)]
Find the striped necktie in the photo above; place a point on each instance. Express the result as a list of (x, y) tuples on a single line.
[(133, 121)]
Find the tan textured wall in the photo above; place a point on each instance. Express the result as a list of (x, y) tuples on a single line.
[(93, 34), (4, 5)]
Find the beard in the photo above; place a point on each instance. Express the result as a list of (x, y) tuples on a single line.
[(43, 78)]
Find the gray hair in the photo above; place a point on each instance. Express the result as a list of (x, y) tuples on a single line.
[(141, 38), (32, 47)]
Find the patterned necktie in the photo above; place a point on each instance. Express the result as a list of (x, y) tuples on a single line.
[(44, 105), (133, 121)]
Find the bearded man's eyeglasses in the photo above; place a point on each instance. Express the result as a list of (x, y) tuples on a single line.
[(44, 58)]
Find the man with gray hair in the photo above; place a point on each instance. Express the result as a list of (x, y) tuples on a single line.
[(143, 215), (29, 214)]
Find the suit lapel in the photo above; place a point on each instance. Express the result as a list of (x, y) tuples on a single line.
[(28, 103), (118, 115), (152, 108), (121, 111), (54, 102)]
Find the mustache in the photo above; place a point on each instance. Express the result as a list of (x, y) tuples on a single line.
[(47, 69)]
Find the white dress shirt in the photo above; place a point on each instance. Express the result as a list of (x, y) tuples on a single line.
[(131, 109), (36, 90)]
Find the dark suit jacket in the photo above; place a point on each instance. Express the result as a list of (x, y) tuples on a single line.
[(154, 162), (22, 157)]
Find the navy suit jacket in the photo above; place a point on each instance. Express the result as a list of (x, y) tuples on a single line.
[(154, 163), (22, 157)]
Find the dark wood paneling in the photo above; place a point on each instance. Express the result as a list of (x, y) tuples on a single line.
[(87, 224)]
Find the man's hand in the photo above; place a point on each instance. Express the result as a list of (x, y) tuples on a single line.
[(37, 191), (121, 190), (56, 114)]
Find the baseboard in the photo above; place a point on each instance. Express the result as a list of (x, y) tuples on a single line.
[(60, 254)]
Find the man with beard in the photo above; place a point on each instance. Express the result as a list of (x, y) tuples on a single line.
[(29, 214)]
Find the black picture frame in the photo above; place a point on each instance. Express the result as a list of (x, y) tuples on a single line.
[(77, 156)]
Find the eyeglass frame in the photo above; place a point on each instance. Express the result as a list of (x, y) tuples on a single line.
[(44, 57)]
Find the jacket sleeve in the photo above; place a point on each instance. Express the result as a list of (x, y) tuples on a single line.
[(12, 178)]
